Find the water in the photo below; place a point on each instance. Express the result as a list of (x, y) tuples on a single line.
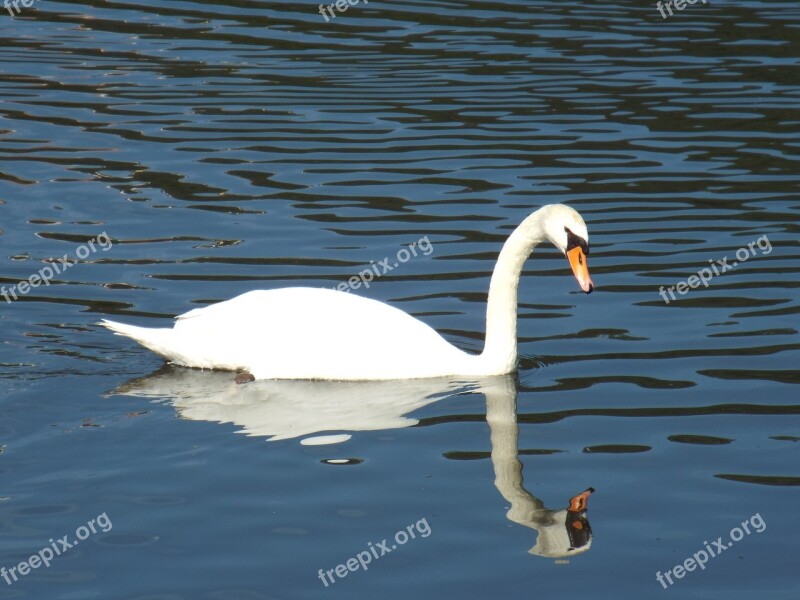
[(226, 146)]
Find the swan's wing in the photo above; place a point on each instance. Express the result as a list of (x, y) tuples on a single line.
[(284, 309), (207, 314)]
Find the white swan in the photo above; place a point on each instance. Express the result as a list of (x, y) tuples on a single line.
[(310, 333)]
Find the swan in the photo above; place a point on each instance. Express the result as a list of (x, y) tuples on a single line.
[(315, 333)]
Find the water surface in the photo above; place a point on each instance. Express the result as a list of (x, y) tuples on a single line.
[(229, 146)]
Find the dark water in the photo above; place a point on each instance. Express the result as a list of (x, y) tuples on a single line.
[(229, 146)]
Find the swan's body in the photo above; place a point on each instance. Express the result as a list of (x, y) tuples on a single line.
[(310, 333), (305, 333)]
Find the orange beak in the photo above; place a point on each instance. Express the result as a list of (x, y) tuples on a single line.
[(577, 260), (579, 503)]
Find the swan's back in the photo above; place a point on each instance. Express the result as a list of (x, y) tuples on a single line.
[(306, 333)]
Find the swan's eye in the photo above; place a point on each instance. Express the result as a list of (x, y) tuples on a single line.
[(576, 241)]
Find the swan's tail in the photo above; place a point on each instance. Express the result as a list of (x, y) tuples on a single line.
[(159, 340)]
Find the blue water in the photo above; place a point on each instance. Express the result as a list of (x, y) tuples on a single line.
[(224, 147)]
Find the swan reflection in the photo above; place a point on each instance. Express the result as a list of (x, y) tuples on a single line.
[(562, 532), (285, 409)]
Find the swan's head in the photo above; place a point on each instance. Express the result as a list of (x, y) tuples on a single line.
[(565, 228), (565, 532)]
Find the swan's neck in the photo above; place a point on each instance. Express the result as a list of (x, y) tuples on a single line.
[(501, 415), (500, 352)]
